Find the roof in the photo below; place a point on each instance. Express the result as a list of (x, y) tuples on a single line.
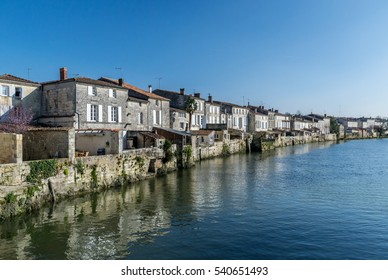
[(229, 104), (152, 135), (86, 80), (9, 77), (201, 132), (178, 132), (172, 93), (136, 89)]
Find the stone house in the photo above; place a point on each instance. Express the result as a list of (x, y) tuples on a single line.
[(213, 112), (323, 122), (204, 137), (153, 110), (179, 119), (178, 100), (83, 103), (18, 92), (257, 121), (282, 121), (236, 116)]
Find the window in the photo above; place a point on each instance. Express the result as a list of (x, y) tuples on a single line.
[(93, 112), (182, 125), (18, 93), (182, 115), (112, 93), (5, 90), (157, 102), (113, 114), (92, 91)]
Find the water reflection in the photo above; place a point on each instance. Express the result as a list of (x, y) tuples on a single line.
[(245, 206)]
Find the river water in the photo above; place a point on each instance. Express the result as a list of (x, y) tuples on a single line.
[(315, 201)]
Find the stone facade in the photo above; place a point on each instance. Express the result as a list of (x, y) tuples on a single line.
[(18, 92), (99, 141), (155, 114), (179, 119), (178, 101), (236, 116), (11, 148), (83, 103), (49, 143)]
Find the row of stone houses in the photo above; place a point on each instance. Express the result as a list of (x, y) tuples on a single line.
[(94, 106)]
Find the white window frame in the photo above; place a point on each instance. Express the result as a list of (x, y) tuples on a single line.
[(92, 112), (5, 89)]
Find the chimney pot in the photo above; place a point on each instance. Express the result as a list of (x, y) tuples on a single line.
[(121, 82), (197, 95), (150, 88), (182, 91), (210, 98), (63, 73)]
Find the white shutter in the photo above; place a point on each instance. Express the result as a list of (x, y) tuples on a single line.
[(87, 112), (11, 90), (110, 92), (109, 113), (90, 90), (119, 114), (160, 117), (100, 113), (154, 116)]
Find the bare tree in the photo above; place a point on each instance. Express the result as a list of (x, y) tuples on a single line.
[(18, 120)]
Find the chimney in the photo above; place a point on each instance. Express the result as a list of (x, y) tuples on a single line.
[(63, 73), (150, 88), (210, 98), (276, 111), (182, 91), (121, 82), (248, 104), (197, 95)]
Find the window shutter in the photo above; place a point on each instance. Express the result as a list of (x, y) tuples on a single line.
[(100, 113), (160, 117), (87, 112), (90, 90), (119, 114), (11, 90), (110, 92), (109, 113), (154, 116)]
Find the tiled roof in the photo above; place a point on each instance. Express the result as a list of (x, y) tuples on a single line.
[(12, 78), (86, 80), (172, 93), (136, 89), (201, 132), (229, 104), (152, 135)]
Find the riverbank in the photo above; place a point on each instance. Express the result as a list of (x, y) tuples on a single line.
[(27, 186)]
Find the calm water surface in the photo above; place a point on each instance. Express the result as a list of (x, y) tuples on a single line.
[(318, 201)]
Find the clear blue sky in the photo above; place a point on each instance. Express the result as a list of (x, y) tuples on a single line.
[(328, 56)]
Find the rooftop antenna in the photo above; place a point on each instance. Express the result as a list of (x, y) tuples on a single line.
[(28, 72), (121, 71), (159, 81)]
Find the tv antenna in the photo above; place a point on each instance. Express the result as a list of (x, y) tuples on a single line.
[(159, 81), (28, 72)]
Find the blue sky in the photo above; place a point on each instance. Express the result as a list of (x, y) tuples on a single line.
[(328, 56)]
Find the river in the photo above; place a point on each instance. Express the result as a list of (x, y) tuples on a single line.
[(314, 201)]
